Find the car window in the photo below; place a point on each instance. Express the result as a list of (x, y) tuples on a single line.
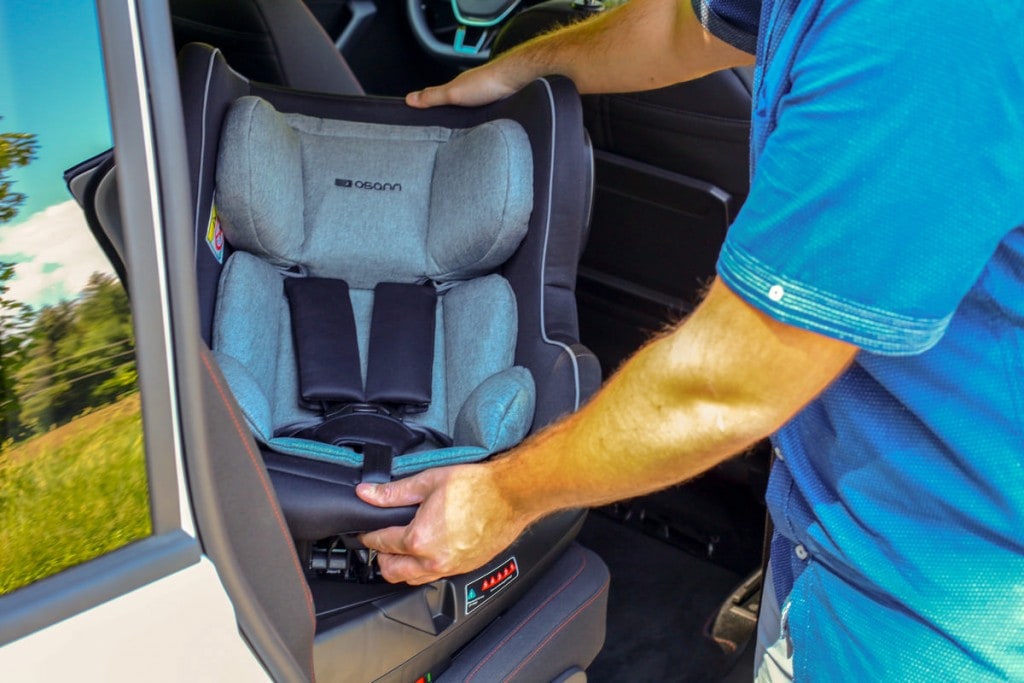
[(72, 465)]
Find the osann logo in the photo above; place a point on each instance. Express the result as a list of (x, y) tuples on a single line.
[(368, 185)]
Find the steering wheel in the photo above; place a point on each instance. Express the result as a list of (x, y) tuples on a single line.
[(459, 31)]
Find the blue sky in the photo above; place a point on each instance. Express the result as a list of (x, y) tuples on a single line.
[(51, 84)]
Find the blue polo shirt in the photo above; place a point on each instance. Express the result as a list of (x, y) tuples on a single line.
[(886, 209)]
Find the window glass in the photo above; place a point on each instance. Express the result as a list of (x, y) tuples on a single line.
[(72, 466)]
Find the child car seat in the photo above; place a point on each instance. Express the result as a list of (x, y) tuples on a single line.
[(360, 320), (342, 228)]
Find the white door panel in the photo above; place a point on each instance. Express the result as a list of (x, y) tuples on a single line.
[(180, 628)]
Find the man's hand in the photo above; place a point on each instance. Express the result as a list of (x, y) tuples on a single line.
[(476, 87), (463, 521)]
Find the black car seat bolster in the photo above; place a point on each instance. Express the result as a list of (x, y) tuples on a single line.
[(316, 495)]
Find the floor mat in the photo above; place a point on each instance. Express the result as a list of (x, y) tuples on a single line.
[(661, 601)]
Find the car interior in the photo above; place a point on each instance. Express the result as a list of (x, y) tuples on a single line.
[(504, 259)]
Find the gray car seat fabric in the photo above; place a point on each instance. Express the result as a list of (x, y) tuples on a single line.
[(369, 203)]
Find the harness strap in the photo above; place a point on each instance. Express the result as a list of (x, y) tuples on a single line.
[(324, 334), (400, 363)]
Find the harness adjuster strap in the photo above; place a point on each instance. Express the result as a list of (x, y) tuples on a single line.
[(377, 462), (399, 364)]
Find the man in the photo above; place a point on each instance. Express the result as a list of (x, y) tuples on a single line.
[(869, 313)]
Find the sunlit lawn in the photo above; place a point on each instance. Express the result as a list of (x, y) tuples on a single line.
[(72, 494)]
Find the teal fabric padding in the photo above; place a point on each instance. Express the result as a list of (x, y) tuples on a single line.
[(480, 325), (404, 465), (499, 412), (437, 414), (417, 462), (362, 310), (246, 326), (259, 182), (285, 399), (479, 315), (481, 199), (249, 395)]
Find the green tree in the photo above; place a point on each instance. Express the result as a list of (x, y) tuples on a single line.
[(15, 322), (80, 355), (43, 384), (103, 318), (16, 149)]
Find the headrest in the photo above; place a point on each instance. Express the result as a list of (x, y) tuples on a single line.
[(370, 202)]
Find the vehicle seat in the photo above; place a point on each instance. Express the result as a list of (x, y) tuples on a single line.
[(270, 41)]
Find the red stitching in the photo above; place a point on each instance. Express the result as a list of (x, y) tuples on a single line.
[(246, 436), (554, 633), (568, 582)]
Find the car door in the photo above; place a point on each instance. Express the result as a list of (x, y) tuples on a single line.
[(101, 574)]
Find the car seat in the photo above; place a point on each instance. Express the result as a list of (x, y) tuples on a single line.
[(300, 197), (270, 41)]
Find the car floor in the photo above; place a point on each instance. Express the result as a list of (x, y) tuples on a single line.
[(662, 600)]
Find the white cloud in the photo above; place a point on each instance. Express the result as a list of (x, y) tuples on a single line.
[(55, 255)]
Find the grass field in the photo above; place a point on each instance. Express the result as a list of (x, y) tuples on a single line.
[(72, 494)]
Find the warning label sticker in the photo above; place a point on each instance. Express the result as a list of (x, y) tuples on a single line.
[(483, 587), (215, 235)]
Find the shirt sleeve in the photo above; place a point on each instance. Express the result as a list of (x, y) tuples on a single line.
[(733, 21), (890, 172)]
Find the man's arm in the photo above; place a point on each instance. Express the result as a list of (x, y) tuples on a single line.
[(640, 45), (723, 379)]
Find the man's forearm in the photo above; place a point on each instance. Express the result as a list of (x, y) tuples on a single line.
[(640, 45), (724, 379)]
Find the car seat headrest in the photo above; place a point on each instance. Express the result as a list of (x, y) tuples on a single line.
[(372, 202)]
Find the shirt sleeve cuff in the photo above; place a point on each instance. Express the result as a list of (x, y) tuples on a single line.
[(800, 305), (722, 29)]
